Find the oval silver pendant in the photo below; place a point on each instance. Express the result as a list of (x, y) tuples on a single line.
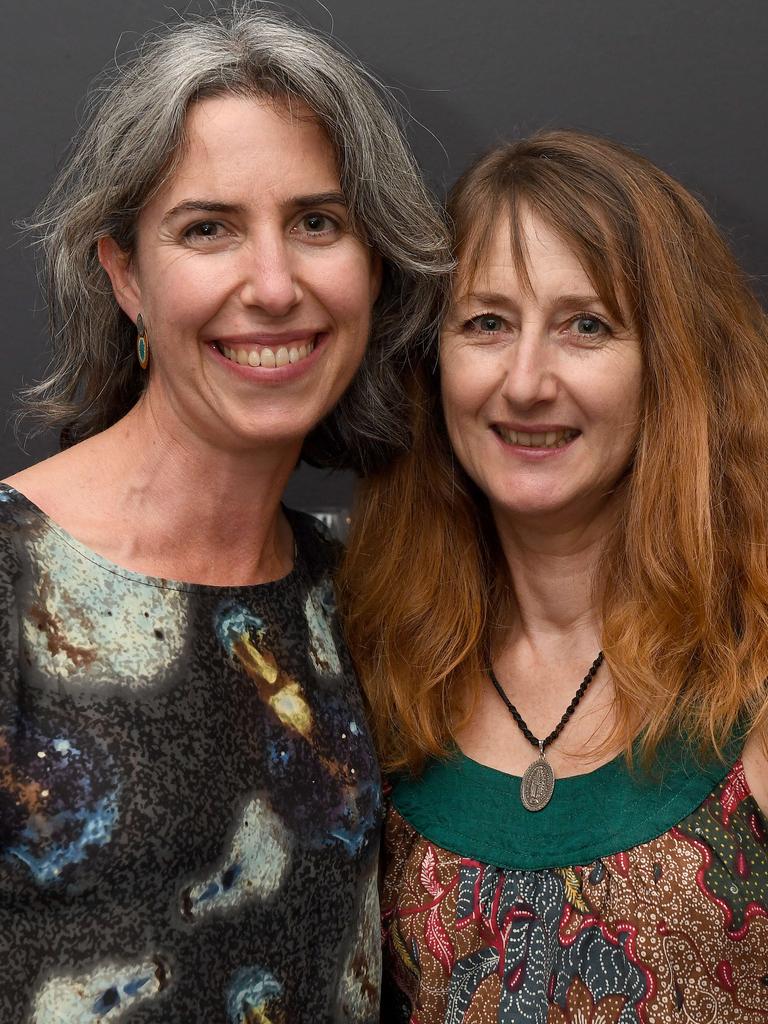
[(538, 785)]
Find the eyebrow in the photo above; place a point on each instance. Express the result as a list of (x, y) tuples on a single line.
[(215, 206), (570, 301), (318, 199), (583, 302), (486, 298), (499, 299)]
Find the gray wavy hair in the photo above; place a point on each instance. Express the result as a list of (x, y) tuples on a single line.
[(132, 140)]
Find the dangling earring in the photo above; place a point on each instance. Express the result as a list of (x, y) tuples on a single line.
[(142, 345)]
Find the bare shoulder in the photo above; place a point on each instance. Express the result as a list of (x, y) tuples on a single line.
[(52, 474), (29, 480), (756, 770), (35, 481), (55, 483)]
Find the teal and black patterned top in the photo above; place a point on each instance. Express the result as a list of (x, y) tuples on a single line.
[(189, 800)]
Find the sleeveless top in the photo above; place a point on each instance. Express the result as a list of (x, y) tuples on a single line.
[(629, 899), (189, 800)]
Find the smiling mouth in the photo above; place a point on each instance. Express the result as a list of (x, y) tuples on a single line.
[(264, 355), (548, 439)]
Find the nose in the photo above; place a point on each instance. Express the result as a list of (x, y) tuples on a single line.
[(269, 280), (530, 373)]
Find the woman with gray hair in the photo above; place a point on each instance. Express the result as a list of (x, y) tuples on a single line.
[(239, 254)]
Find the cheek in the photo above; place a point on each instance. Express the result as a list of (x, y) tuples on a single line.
[(452, 395), (625, 402), (467, 382), (347, 290), (462, 401), (185, 292), (617, 417), (607, 385)]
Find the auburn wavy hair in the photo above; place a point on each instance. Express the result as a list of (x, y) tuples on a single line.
[(683, 584)]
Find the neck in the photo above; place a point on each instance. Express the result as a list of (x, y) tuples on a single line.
[(543, 652), (194, 510), (553, 567)]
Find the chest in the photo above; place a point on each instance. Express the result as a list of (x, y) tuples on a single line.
[(160, 738)]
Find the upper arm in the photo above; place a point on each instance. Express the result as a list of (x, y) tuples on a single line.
[(755, 762), (9, 629)]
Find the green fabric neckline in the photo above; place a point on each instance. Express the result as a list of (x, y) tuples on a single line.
[(475, 811)]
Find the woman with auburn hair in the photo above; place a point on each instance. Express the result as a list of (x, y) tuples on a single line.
[(558, 601)]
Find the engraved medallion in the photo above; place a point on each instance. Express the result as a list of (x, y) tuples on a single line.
[(538, 784)]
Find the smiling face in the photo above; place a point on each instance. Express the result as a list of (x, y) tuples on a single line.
[(540, 385), (255, 293)]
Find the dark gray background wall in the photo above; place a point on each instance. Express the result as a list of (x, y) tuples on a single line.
[(683, 81)]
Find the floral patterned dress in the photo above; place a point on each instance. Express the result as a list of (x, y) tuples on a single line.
[(189, 800), (629, 899)]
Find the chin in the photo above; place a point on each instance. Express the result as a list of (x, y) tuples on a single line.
[(534, 507), (272, 437), (256, 438), (268, 422)]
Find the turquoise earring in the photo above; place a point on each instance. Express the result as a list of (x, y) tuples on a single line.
[(142, 345)]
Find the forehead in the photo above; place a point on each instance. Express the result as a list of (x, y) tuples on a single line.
[(526, 256), (253, 147)]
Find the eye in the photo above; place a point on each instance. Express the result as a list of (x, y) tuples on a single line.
[(317, 224), (205, 229), (587, 325), (485, 323)]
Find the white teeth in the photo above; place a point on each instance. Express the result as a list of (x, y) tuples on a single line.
[(268, 357), (548, 439)]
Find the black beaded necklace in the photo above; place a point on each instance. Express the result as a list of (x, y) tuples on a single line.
[(538, 783)]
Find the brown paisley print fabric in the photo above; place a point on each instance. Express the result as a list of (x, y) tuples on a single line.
[(672, 931)]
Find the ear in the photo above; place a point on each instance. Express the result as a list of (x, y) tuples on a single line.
[(118, 265)]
